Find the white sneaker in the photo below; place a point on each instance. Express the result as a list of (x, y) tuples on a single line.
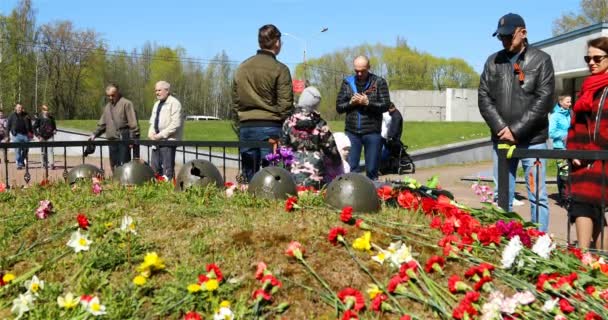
[(517, 203)]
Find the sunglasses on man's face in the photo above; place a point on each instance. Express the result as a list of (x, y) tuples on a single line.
[(503, 37), (596, 59)]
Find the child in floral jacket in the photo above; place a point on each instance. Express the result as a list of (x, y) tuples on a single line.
[(313, 145)]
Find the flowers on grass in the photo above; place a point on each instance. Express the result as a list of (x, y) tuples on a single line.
[(79, 242), (127, 224), (139, 280), (511, 252), (224, 313), (34, 285), (363, 243), (295, 249), (352, 299), (95, 307), (22, 304), (208, 282), (192, 315), (347, 214), (6, 278), (397, 253), (152, 262), (336, 235), (45, 208), (291, 203), (543, 246), (385, 193), (68, 302), (83, 221), (96, 188), (435, 263)]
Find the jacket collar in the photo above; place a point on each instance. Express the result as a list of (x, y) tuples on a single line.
[(268, 53)]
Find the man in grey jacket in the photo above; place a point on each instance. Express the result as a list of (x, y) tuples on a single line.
[(515, 96), (166, 123), (119, 122)]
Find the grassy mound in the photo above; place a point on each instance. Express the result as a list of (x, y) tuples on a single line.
[(161, 264)]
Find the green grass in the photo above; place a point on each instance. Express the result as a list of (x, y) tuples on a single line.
[(417, 135)]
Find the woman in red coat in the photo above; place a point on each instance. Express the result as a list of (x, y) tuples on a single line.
[(589, 131)]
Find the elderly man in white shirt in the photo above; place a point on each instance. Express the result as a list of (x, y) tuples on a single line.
[(166, 123)]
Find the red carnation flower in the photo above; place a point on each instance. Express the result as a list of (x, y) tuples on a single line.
[(271, 280), (479, 285), (202, 278), (428, 205), (435, 263), (376, 303), (350, 315), (212, 267), (347, 214), (44, 182), (261, 294), (192, 315), (295, 249), (394, 282), (456, 285), (409, 269), (352, 298), (259, 273), (290, 203), (83, 221), (405, 317), (408, 200), (436, 223), (592, 316), (228, 184), (334, 233), (385, 193), (565, 306)]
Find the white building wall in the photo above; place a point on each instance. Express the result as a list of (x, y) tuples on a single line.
[(429, 105)]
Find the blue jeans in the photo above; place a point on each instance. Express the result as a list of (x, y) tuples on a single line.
[(372, 142), (529, 167), (21, 153), (254, 158)]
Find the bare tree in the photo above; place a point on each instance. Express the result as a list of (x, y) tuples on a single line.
[(592, 11)]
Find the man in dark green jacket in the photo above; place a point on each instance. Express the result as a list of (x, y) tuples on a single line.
[(262, 97)]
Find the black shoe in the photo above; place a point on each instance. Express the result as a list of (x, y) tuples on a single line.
[(19, 167)]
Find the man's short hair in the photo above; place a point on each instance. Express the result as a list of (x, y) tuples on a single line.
[(113, 85), (163, 84), (392, 106), (268, 35)]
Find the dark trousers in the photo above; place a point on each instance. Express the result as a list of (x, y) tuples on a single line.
[(163, 161), (372, 142), (119, 155), (254, 158)]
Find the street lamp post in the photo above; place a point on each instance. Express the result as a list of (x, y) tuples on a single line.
[(324, 29)]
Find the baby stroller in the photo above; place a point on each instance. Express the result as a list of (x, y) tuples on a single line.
[(399, 160)]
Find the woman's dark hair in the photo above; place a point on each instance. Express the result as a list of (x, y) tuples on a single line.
[(268, 36), (600, 43)]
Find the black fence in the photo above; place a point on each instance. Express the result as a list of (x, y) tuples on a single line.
[(222, 153), (517, 153)]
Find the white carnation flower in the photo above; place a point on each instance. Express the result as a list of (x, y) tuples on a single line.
[(511, 252), (543, 246)]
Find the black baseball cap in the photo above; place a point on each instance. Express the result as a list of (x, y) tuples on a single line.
[(508, 23)]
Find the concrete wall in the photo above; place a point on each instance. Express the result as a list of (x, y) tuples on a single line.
[(432, 105)]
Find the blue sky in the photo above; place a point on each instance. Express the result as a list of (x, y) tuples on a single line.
[(443, 28)]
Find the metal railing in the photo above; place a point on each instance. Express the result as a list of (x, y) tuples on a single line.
[(213, 151), (523, 153)]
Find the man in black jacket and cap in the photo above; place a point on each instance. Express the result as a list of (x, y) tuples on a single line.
[(515, 97)]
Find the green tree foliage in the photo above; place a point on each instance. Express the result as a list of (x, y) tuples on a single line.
[(591, 11), (17, 54), (404, 68), (68, 69)]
